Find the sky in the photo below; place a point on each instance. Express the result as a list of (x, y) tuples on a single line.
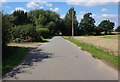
[(100, 10)]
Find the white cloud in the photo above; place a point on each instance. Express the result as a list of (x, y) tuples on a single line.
[(82, 12), (41, 7), (51, 9), (62, 16), (91, 3), (55, 10), (32, 5), (18, 8), (2, 1), (45, 3), (49, 4), (109, 16), (7, 7), (104, 10)]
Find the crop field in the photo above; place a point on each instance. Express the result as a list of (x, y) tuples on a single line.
[(108, 42)]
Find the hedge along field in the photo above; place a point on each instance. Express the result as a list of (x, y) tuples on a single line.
[(96, 52)]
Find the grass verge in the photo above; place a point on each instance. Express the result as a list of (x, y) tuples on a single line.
[(111, 37), (12, 57), (96, 52)]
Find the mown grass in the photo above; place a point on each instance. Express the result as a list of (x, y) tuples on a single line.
[(13, 56), (96, 52)]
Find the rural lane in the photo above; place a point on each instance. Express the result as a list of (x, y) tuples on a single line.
[(59, 59)]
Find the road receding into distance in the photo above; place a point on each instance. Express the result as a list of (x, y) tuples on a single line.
[(59, 59)]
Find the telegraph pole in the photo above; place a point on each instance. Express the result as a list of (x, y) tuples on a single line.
[(72, 23)]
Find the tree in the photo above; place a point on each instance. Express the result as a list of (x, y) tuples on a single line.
[(20, 17), (43, 32), (87, 25), (45, 19), (6, 28), (67, 30), (118, 29), (106, 26), (98, 30)]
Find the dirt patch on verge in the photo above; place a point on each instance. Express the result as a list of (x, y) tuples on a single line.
[(26, 45)]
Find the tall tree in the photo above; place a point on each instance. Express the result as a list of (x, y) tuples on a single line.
[(87, 25), (20, 17), (106, 26), (67, 30)]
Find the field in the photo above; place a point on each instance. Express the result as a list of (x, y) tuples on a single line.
[(108, 42)]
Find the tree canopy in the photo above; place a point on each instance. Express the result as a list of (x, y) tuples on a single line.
[(23, 26), (68, 23), (106, 26), (87, 25)]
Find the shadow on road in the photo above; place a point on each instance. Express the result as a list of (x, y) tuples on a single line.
[(35, 55)]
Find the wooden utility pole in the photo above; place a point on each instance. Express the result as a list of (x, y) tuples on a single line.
[(72, 23)]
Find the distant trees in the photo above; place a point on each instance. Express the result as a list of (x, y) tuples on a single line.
[(67, 29), (23, 26), (87, 25), (106, 26)]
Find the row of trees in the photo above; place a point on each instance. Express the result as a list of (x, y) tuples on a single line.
[(23, 26), (86, 25)]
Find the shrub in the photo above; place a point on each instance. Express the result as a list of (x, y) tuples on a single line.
[(25, 32), (44, 32)]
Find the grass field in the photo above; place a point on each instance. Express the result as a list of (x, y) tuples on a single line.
[(96, 52), (108, 43), (14, 56)]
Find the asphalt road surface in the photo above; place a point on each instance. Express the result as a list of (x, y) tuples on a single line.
[(59, 59)]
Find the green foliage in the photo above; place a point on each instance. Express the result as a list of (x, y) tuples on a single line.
[(98, 30), (6, 29), (118, 29), (51, 26), (106, 26), (87, 25), (20, 17), (45, 19), (44, 32), (67, 29), (24, 32)]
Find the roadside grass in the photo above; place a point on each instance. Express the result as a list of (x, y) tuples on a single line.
[(12, 57), (111, 37), (96, 52)]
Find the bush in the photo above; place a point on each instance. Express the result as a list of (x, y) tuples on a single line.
[(44, 32), (23, 33)]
